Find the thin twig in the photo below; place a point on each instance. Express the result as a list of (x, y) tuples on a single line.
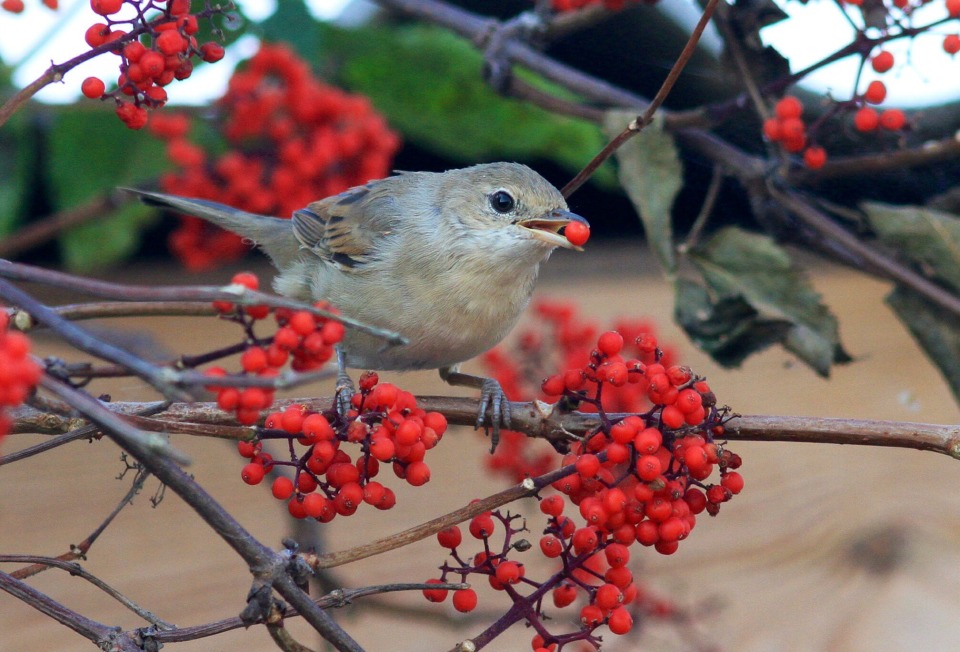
[(641, 121), (107, 419), (79, 571), (89, 629), (334, 599), (233, 293), (36, 233), (80, 550)]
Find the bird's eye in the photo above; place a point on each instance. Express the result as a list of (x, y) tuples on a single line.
[(502, 202)]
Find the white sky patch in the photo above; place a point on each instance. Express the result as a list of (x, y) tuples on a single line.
[(924, 73), (34, 38)]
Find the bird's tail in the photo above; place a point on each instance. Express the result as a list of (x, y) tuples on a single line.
[(273, 235)]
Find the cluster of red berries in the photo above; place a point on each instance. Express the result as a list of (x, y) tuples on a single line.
[(19, 374), (303, 338), (559, 339), (386, 425), (641, 479), (17, 6), (291, 140), (595, 570), (146, 69), (787, 128)]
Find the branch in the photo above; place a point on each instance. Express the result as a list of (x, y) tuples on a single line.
[(78, 570), (233, 293), (37, 233), (80, 550), (544, 421), (89, 629), (334, 599)]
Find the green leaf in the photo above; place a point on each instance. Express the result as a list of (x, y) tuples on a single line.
[(740, 265), (728, 330), (292, 23), (91, 153), (652, 174), (926, 236), (429, 85), (935, 329), (19, 163)]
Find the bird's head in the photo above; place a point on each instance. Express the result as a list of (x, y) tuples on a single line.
[(509, 204)]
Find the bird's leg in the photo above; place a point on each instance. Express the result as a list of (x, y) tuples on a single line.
[(491, 396), (344, 389)]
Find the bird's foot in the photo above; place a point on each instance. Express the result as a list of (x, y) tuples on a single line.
[(493, 398), (344, 395)]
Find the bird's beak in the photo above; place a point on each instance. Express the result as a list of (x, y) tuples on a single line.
[(549, 227)]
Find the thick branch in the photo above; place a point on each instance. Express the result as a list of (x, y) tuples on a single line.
[(543, 421)]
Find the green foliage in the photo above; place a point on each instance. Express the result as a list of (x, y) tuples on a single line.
[(743, 266), (90, 153), (930, 239), (925, 236), (18, 163), (728, 329), (429, 84), (652, 174)]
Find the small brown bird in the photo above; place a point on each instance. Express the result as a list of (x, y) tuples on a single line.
[(448, 260)]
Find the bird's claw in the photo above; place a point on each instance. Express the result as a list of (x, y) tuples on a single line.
[(493, 398), (344, 395)]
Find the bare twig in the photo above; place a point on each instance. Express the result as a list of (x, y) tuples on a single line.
[(79, 571), (234, 293), (37, 233), (90, 629), (641, 121), (80, 550)]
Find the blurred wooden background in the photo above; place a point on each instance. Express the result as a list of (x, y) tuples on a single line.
[(828, 548)]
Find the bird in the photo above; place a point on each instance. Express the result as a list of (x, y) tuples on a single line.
[(448, 260)]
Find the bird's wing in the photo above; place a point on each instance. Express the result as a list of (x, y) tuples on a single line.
[(346, 230)]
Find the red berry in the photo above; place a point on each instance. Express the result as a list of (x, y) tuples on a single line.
[(552, 505), (610, 343), (893, 119), (553, 386), (418, 474), (93, 87), (282, 488), (588, 465), (732, 481), (508, 572), (170, 42), (550, 546), (450, 537), (211, 52), (564, 595), (876, 92), (465, 600), (13, 6), (620, 621), (882, 61), (577, 233), (773, 129), (252, 473), (814, 157), (951, 43), (866, 119), (608, 597), (106, 7), (435, 595), (789, 107), (253, 359), (481, 526)]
